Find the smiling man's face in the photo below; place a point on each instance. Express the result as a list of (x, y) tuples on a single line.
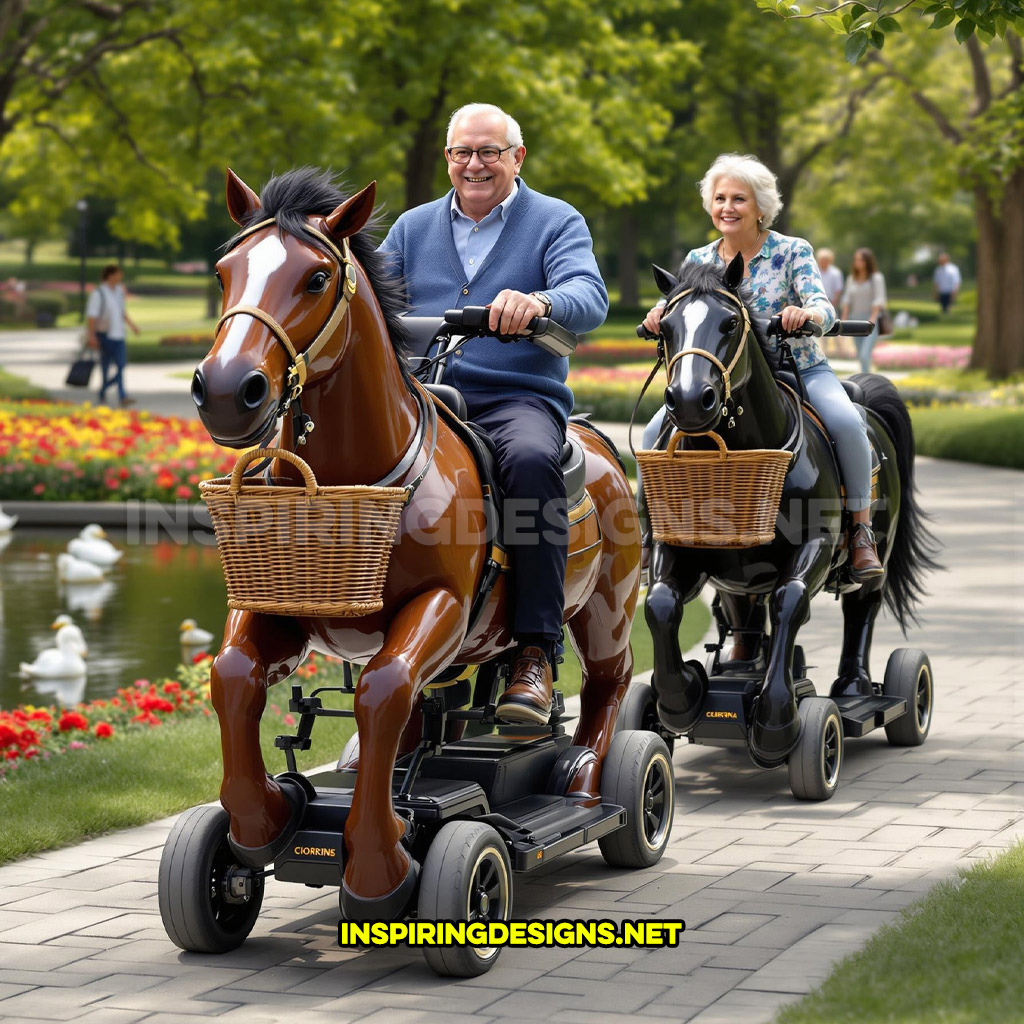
[(479, 186)]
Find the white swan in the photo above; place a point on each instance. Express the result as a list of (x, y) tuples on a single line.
[(61, 661), (74, 570), (68, 623), (7, 523), (193, 636), (91, 545)]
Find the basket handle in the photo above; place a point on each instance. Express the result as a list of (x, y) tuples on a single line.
[(679, 435), (272, 453)]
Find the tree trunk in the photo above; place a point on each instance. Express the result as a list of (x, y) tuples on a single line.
[(629, 281), (999, 342), (30, 249), (420, 163)]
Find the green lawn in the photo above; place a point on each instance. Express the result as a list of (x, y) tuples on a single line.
[(17, 388), (141, 776), (954, 958), (989, 436)]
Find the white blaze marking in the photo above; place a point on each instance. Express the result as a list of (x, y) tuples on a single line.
[(264, 258), (694, 315)]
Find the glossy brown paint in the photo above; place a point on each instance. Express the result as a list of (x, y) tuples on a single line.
[(365, 419)]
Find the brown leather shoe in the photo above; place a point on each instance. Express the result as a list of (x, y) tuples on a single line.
[(527, 700), (864, 561)]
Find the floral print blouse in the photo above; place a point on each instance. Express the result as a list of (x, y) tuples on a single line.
[(783, 273)]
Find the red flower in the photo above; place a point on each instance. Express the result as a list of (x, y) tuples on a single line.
[(40, 715), (72, 720), (11, 755), (171, 687), (8, 737), (39, 488), (166, 479), (27, 738), (183, 492), (198, 659), (31, 753), (103, 730)]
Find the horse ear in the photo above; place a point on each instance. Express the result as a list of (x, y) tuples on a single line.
[(734, 272), (353, 214), (663, 279), (242, 201)]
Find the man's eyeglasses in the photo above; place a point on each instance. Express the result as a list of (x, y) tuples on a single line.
[(463, 154)]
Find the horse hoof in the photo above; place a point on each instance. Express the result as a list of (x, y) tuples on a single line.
[(859, 687), (769, 746), (389, 907), (260, 856), (681, 710)]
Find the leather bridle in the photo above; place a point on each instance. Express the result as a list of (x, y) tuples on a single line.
[(726, 371)]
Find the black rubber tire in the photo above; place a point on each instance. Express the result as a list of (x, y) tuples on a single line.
[(195, 914), (639, 711), (638, 776), (464, 855), (815, 764), (908, 674)]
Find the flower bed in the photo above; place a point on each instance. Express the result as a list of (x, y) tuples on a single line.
[(28, 733), (53, 452), (612, 351), (609, 392), (919, 357)]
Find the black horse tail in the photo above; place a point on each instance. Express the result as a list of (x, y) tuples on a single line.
[(914, 546)]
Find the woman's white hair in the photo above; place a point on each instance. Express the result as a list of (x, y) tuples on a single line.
[(749, 170), (513, 133)]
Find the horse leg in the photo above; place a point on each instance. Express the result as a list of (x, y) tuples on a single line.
[(600, 634), (775, 722), (421, 639), (258, 651), (680, 687), (860, 609)]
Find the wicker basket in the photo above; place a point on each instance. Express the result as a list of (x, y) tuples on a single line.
[(715, 499), (289, 550)]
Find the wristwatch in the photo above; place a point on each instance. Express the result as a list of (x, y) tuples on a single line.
[(543, 300)]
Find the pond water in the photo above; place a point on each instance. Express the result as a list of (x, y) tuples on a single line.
[(130, 621)]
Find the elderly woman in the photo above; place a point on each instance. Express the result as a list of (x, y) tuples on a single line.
[(742, 198)]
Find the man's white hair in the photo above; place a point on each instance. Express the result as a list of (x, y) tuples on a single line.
[(752, 173), (513, 133)]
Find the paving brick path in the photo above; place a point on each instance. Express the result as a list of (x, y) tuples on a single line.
[(773, 891)]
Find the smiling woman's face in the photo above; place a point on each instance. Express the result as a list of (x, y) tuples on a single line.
[(734, 210), (479, 186)]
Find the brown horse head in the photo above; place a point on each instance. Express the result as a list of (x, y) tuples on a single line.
[(287, 278)]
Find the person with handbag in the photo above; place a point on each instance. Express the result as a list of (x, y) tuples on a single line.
[(106, 318), (864, 299)]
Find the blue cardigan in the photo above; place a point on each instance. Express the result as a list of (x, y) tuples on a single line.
[(544, 246)]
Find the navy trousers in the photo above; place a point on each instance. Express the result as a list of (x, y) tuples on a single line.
[(529, 437)]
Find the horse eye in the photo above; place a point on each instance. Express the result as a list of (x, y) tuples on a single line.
[(729, 325), (220, 281), (318, 282)]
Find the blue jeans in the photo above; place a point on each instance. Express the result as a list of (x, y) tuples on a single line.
[(113, 352), (864, 349)]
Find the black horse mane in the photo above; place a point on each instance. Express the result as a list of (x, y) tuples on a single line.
[(707, 278), (291, 197)]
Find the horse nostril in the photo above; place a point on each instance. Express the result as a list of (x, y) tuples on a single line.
[(708, 399), (198, 389), (252, 391), (670, 402)]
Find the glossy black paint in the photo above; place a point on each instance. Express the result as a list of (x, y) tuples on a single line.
[(802, 559)]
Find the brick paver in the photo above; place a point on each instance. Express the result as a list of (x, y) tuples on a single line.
[(773, 891)]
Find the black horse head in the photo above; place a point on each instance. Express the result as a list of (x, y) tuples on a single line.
[(707, 329)]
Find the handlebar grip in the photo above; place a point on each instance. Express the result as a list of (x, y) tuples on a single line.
[(642, 332), (853, 328)]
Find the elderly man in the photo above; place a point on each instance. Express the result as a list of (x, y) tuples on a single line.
[(831, 275), (493, 241)]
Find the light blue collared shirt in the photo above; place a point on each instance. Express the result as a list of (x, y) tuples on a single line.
[(473, 239)]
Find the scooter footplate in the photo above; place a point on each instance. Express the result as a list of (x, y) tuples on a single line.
[(862, 715)]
